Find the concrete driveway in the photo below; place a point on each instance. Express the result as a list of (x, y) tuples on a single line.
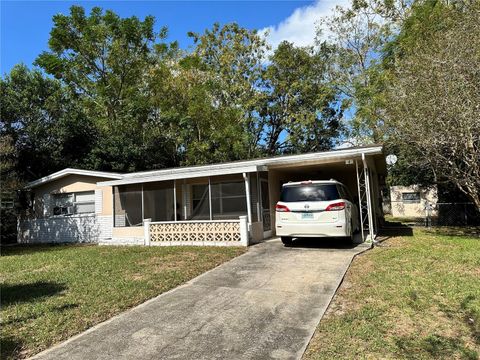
[(265, 304)]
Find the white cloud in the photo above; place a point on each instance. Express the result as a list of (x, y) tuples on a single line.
[(300, 27)]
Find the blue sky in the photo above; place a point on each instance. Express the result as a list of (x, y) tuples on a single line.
[(25, 25)]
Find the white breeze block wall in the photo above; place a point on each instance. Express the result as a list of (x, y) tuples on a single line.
[(68, 229)]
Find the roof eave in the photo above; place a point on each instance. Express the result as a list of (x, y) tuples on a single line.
[(70, 171)]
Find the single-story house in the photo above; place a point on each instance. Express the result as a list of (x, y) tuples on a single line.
[(221, 204)]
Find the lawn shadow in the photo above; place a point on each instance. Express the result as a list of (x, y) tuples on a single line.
[(463, 231), (437, 346), (29, 292), (10, 347), (393, 229), (25, 249)]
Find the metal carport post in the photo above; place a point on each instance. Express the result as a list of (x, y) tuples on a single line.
[(368, 198)]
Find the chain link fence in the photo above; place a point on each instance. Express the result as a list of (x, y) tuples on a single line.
[(454, 214)]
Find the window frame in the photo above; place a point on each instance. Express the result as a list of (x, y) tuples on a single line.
[(72, 202), (411, 201), (221, 199)]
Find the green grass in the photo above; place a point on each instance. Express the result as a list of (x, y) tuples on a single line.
[(416, 297), (49, 293)]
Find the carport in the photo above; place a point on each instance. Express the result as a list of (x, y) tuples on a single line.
[(362, 171)]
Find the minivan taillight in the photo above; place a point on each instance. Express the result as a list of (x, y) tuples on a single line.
[(281, 208), (336, 206)]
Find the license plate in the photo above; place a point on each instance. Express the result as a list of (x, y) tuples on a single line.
[(307, 216)]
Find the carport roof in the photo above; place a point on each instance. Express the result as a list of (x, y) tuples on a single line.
[(244, 166)]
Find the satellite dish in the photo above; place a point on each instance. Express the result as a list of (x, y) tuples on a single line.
[(391, 159)]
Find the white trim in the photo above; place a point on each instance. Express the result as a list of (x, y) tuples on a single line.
[(70, 171), (175, 199), (210, 210), (369, 199), (239, 167), (246, 178)]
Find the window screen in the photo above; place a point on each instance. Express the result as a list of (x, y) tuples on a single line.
[(158, 201), (200, 202), (127, 205), (229, 200)]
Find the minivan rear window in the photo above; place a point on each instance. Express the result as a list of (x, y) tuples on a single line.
[(310, 192)]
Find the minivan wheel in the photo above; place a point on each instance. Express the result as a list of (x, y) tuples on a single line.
[(286, 240)]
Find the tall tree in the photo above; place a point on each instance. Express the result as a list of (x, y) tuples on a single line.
[(358, 34), (299, 109), (105, 60), (234, 58), (43, 122), (434, 99)]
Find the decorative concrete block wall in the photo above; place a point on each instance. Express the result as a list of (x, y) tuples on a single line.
[(204, 233)]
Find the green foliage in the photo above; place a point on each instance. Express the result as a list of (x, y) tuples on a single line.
[(433, 97), (43, 124), (105, 60), (416, 297), (117, 97), (298, 101)]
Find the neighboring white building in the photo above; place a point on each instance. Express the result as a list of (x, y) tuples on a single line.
[(411, 201)]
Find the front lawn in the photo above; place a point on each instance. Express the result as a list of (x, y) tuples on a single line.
[(415, 297), (49, 293)]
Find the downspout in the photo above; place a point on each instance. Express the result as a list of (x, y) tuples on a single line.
[(369, 199)]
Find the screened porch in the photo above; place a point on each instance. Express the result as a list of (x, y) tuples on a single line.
[(214, 199)]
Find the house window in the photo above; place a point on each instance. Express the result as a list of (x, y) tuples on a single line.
[(411, 197), (74, 203)]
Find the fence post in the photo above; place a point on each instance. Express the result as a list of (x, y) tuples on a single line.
[(243, 230), (465, 213), (146, 231)]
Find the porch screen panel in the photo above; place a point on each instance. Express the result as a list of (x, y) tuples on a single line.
[(200, 202), (127, 205), (158, 201), (228, 200)]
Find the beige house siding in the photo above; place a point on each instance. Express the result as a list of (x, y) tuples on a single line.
[(130, 231), (407, 209), (68, 184)]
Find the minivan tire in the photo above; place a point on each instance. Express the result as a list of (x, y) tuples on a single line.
[(286, 240)]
